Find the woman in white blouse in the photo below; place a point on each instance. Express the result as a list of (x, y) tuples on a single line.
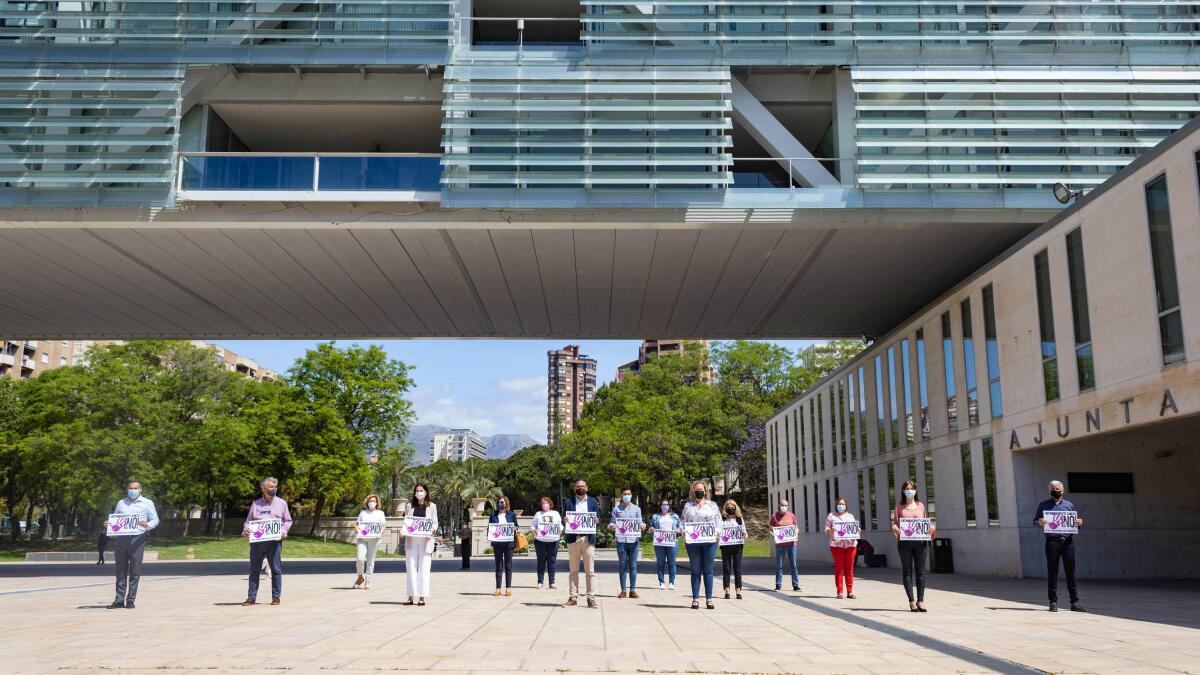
[(364, 559), (418, 551), (547, 549)]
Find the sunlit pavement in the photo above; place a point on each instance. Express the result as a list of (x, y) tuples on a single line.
[(188, 619)]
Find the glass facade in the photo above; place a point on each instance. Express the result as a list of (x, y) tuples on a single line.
[(872, 498), (907, 380), (968, 484), (1080, 315), (922, 383), (1166, 286), (948, 370), (989, 483), (893, 408), (1045, 308), (880, 422), (930, 503), (969, 364)]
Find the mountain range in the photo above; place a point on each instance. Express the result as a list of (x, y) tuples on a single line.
[(499, 446)]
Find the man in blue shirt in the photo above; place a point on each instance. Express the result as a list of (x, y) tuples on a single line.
[(1059, 547), (128, 549)]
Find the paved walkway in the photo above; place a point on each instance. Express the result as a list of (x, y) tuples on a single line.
[(188, 620)]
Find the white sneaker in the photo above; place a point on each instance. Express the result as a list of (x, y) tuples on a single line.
[(671, 587), (662, 586), (539, 587)]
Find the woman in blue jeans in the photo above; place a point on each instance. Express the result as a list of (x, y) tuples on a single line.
[(700, 509), (664, 556)]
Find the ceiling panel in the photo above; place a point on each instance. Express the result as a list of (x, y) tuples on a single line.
[(433, 257), (594, 263), (672, 254), (633, 251), (752, 251), (394, 315), (708, 262), (390, 258), (556, 262), (478, 256), (514, 250)]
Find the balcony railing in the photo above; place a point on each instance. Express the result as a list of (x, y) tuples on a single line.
[(329, 177)]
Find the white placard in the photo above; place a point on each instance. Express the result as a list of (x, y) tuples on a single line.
[(665, 538), (501, 532), (1061, 522), (267, 529), (732, 535), (580, 522), (915, 529), (419, 526), (702, 532), (628, 529), (368, 530), (124, 525), (546, 531), (845, 530), (784, 534)]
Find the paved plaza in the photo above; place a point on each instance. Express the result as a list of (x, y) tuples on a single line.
[(188, 620)]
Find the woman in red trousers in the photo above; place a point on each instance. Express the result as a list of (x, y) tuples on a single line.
[(842, 530)]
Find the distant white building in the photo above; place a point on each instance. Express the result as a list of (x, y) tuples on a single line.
[(458, 445)]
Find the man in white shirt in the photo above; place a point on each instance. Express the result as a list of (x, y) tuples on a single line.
[(128, 550), (581, 548)]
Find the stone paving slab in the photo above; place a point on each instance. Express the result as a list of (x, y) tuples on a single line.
[(188, 620)]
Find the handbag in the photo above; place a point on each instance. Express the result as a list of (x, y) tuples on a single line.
[(522, 540)]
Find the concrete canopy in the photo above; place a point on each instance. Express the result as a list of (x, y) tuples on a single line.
[(414, 270)]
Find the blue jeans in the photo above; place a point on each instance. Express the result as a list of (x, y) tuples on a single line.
[(700, 560), (788, 552), (270, 550), (664, 556), (627, 553)]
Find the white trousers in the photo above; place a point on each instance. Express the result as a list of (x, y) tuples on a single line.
[(365, 557), (417, 564)]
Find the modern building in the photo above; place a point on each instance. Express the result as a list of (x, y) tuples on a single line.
[(457, 445), (655, 348), (1074, 355), (570, 384), (239, 363), (479, 168)]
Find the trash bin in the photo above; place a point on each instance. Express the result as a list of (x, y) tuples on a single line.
[(943, 556)]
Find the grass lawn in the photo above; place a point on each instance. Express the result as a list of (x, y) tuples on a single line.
[(204, 548)]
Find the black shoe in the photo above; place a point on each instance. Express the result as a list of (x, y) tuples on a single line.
[(796, 588), (1076, 607), (274, 601), (1054, 607), (850, 596), (777, 587), (129, 605), (708, 604), (695, 604), (739, 596), (921, 609), (726, 595), (99, 562), (839, 596), (117, 604)]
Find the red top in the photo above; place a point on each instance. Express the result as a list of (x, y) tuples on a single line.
[(788, 518)]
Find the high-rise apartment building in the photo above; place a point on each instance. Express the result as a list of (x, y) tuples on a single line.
[(655, 348), (457, 445), (571, 383)]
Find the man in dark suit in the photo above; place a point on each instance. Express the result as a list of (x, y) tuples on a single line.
[(581, 548)]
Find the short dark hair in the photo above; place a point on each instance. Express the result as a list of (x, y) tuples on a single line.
[(131, 481)]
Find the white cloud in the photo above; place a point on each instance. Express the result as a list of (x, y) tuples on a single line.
[(506, 406)]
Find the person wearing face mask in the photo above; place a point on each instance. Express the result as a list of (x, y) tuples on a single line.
[(843, 550), (364, 558), (581, 548), (664, 556), (787, 550), (912, 553), (1059, 547), (701, 509), (269, 505), (547, 551), (128, 550), (628, 543), (503, 550), (731, 554), (418, 551)]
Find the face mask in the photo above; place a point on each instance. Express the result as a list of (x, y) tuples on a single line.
[(626, 498), (1057, 494), (133, 494), (545, 506), (272, 491), (731, 510), (420, 494), (581, 491), (500, 505), (841, 508), (699, 494), (666, 508), (783, 509), (371, 505), (910, 493)]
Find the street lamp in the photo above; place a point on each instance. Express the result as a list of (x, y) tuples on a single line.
[(1065, 194)]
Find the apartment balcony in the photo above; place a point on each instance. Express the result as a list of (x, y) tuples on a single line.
[(8, 360), (31, 345), (309, 177), (27, 363)]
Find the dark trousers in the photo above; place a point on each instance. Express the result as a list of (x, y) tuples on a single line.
[(128, 553), (466, 553), (101, 544), (1060, 548), (912, 560), (731, 565), (547, 556), (503, 551), (271, 551)]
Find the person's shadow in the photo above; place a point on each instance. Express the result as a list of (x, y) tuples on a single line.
[(227, 604), (92, 607)]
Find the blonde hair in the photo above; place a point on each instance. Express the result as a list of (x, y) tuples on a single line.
[(737, 509), (378, 501)]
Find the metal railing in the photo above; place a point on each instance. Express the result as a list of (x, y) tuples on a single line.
[(326, 176)]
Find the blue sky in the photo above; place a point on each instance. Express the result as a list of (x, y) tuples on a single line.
[(491, 386)]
